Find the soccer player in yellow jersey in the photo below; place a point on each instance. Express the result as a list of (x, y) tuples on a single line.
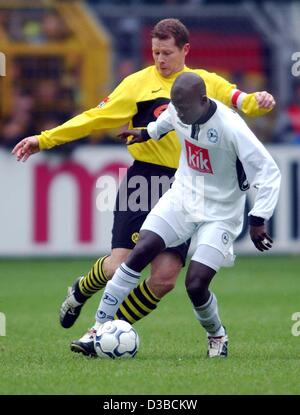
[(138, 100)]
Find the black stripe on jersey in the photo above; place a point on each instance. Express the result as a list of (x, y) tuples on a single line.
[(241, 176), (195, 131), (148, 111)]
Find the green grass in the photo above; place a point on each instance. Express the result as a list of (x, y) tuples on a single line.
[(256, 298)]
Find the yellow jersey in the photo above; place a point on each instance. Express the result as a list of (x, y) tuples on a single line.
[(138, 100)]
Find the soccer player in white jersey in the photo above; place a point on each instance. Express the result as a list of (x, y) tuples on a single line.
[(219, 157)]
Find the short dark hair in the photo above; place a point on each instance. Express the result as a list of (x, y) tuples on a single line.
[(168, 28)]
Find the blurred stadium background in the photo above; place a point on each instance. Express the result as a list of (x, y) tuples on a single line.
[(64, 56)]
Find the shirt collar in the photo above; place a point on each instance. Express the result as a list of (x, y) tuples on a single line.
[(211, 110)]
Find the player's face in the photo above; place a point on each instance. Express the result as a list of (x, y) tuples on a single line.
[(168, 57), (189, 110)]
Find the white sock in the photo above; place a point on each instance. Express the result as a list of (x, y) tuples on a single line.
[(116, 290), (208, 316)]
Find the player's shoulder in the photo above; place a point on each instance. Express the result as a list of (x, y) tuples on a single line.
[(230, 119), (226, 115), (225, 111), (205, 75), (140, 75)]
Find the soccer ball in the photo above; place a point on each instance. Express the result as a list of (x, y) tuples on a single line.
[(116, 339)]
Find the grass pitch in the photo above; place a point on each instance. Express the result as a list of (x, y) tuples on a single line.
[(256, 299)]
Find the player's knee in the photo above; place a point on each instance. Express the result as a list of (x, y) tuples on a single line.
[(114, 260), (161, 288), (195, 285), (110, 269), (111, 264), (162, 283)]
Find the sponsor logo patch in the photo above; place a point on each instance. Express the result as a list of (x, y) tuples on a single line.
[(103, 102), (135, 237), (225, 238), (101, 314), (212, 135), (198, 158), (156, 90), (109, 299), (159, 110)]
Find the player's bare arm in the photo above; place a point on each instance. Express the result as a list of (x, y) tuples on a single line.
[(265, 100), (26, 147)]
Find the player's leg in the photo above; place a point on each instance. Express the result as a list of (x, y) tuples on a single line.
[(205, 262), (165, 268), (84, 287), (123, 281), (144, 299), (127, 275), (125, 226), (160, 230)]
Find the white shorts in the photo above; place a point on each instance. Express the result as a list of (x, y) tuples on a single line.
[(174, 229)]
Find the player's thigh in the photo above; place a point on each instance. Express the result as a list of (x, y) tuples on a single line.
[(112, 262), (131, 209), (219, 235), (207, 255), (169, 211)]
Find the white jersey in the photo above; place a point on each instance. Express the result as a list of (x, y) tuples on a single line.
[(221, 151)]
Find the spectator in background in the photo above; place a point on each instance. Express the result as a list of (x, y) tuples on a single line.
[(288, 126), (53, 28), (126, 39), (20, 119)]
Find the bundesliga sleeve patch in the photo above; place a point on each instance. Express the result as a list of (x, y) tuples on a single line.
[(103, 102)]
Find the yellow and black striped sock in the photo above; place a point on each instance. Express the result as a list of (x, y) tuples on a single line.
[(94, 280), (139, 303)]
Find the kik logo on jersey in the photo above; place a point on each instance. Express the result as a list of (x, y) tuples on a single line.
[(198, 158)]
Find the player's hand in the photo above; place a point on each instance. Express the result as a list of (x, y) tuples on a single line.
[(26, 147), (135, 134), (260, 238), (265, 100)]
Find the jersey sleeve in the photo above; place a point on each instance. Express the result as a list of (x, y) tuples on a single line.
[(249, 106), (162, 125), (222, 89), (228, 94), (114, 111), (260, 168)]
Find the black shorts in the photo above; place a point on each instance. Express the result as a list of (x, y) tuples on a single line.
[(139, 191)]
